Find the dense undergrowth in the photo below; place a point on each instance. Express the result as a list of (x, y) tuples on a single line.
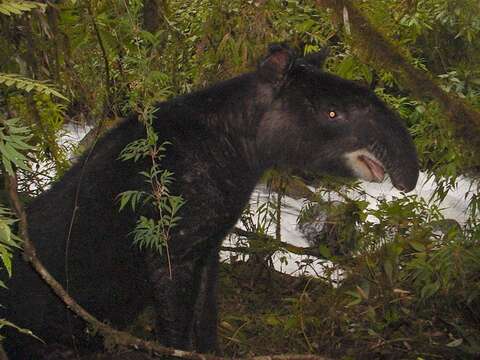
[(270, 312), (409, 289)]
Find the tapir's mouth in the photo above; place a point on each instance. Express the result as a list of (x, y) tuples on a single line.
[(375, 167), (365, 165)]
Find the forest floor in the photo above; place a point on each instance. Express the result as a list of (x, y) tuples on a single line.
[(265, 312)]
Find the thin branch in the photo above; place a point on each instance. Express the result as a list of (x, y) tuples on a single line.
[(278, 212)]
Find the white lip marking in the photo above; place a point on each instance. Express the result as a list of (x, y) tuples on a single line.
[(369, 169)]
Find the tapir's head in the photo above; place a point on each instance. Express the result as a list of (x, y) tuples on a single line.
[(323, 123)]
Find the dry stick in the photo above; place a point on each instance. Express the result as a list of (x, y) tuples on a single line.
[(373, 45), (111, 335)]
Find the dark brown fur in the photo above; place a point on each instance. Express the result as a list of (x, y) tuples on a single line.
[(223, 139)]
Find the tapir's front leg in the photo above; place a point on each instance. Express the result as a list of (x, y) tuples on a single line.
[(174, 303), (186, 302), (206, 310)]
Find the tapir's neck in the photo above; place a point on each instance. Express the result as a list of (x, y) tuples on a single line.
[(231, 111)]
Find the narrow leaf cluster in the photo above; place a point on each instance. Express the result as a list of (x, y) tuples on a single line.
[(13, 141), (152, 233), (15, 7), (28, 85)]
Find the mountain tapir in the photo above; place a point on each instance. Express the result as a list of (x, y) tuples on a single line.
[(288, 114)]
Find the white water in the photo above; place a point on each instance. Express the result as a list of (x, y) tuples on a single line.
[(454, 206)]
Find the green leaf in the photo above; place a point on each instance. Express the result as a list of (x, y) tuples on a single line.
[(429, 289), (4, 322), (5, 233), (7, 164), (272, 320), (6, 257), (20, 82), (417, 246), (291, 323), (347, 67), (124, 199), (357, 298), (13, 154), (324, 251), (19, 144)]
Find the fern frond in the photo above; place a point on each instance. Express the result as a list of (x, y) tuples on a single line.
[(16, 7), (13, 144), (28, 85)]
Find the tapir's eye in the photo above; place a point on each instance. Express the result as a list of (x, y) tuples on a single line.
[(332, 114)]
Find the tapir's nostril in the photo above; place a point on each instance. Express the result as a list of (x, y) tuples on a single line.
[(401, 187)]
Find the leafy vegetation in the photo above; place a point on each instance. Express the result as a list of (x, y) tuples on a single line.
[(15, 7), (398, 280), (28, 85), (152, 233)]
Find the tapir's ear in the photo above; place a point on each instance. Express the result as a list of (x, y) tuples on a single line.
[(277, 63), (318, 58)]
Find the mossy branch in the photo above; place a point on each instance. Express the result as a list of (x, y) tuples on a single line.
[(298, 250), (375, 48)]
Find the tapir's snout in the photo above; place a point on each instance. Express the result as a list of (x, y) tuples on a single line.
[(367, 166), (395, 148), (405, 178), (386, 147)]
